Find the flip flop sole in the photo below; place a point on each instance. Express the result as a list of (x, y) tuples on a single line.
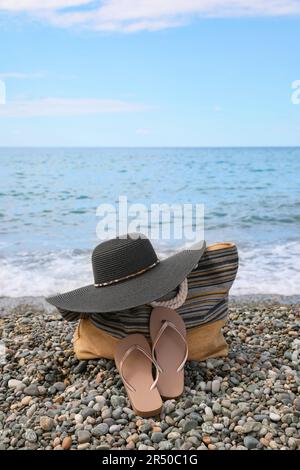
[(137, 370), (169, 351)]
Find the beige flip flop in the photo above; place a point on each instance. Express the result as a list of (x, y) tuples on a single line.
[(169, 349), (134, 362)]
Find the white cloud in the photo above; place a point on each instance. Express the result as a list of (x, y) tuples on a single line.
[(151, 15), (67, 107), (21, 75), (34, 5)]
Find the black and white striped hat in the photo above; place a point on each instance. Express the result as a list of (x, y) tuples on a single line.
[(128, 273)]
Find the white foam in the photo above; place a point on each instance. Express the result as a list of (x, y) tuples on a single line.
[(263, 270), (44, 274), (269, 270)]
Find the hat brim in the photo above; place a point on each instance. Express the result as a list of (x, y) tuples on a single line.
[(139, 290)]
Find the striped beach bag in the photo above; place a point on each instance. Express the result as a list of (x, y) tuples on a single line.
[(204, 312)]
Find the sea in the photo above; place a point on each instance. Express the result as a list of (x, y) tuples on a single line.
[(49, 199)]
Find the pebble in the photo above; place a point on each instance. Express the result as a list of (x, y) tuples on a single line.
[(217, 408), (157, 437), (86, 412), (83, 446), (165, 445), (250, 442), (208, 428), (100, 430), (248, 400), (146, 427), (114, 428), (172, 436), (32, 390), (46, 423), (60, 386), (83, 437), (67, 443), (81, 367), (56, 442), (30, 435), (26, 400), (274, 417), (16, 384), (78, 418), (189, 425), (106, 413), (117, 400), (215, 386), (101, 400), (292, 443), (31, 410), (209, 416)]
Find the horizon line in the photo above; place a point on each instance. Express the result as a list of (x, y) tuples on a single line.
[(145, 147)]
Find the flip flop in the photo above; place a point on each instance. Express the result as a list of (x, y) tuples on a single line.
[(134, 362), (169, 349)]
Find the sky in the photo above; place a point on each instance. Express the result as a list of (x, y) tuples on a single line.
[(149, 73)]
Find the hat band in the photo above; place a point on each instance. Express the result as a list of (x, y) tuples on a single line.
[(115, 281)]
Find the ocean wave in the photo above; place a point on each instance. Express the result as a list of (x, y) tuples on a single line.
[(42, 274), (268, 269)]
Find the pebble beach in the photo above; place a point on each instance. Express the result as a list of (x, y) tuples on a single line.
[(248, 400)]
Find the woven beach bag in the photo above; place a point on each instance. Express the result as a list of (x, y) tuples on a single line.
[(204, 312)]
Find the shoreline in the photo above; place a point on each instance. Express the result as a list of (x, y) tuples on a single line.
[(9, 304), (246, 400)]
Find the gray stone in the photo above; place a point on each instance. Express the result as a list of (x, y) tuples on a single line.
[(60, 386), (114, 428), (118, 400), (297, 404), (218, 426), (100, 430), (275, 417), (289, 431), (146, 427), (86, 412), (208, 428), (30, 435), (209, 416), (189, 425), (31, 410), (172, 436), (165, 445), (215, 386), (292, 443), (250, 442), (217, 409), (81, 367), (117, 412), (32, 390), (83, 436), (157, 437), (260, 417)]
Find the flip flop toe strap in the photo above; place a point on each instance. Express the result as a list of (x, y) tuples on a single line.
[(137, 347), (167, 324)]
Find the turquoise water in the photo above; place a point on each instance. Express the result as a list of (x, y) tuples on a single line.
[(48, 201)]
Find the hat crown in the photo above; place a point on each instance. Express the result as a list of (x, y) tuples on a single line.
[(119, 258)]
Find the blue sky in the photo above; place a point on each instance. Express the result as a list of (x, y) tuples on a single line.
[(109, 74)]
